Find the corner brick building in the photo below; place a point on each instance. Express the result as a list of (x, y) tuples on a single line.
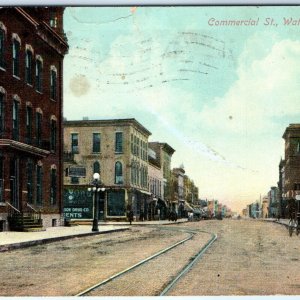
[(32, 48), (117, 149)]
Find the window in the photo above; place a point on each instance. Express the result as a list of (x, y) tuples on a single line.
[(53, 20), (39, 187), (1, 113), (96, 142), (53, 136), (53, 187), (29, 170), (74, 180), (116, 203), (29, 125), (53, 84), (28, 67), (74, 143), (15, 118), (38, 129), (2, 37), (118, 173), (119, 142), (96, 167), (16, 58), (38, 75), (131, 144)]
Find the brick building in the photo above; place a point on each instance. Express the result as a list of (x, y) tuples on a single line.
[(32, 48), (290, 166), (116, 149)]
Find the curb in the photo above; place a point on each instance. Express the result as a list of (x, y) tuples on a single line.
[(14, 246)]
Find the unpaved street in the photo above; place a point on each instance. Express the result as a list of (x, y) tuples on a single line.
[(249, 258)]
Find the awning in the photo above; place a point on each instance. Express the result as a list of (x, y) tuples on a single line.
[(163, 202), (187, 207), (23, 148), (144, 192), (197, 211)]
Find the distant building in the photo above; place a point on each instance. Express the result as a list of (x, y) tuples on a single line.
[(32, 48), (117, 149), (178, 199), (273, 199), (159, 157)]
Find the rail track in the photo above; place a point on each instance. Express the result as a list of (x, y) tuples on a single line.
[(169, 285)]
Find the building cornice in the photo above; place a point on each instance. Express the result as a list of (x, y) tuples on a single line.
[(109, 122), (18, 146)]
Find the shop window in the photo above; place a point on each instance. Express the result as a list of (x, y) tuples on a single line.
[(116, 203)]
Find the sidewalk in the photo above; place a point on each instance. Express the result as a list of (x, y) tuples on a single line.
[(10, 240), (284, 222)]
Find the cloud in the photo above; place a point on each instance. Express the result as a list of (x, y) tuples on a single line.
[(266, 88)]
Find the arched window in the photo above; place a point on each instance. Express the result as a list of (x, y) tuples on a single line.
[(2, 46), (96, 167), (118, 173), (28, 64), (53, 83), (16, 55), (2, 98), (38, 73)]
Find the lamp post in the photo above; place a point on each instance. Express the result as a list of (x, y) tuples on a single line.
[(96, 189)]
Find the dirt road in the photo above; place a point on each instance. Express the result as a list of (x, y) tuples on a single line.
[(248, 258)]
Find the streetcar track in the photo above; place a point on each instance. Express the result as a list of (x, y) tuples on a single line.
[(172, 283), (99, 284)]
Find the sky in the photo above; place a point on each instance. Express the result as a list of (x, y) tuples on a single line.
[(221, 96)]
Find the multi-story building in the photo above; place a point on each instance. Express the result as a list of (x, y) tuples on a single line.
[(32, 48), (163, 154), (157, 207), (116, 149), (178, 199), (273, 199), (291, 164), (282, 201)]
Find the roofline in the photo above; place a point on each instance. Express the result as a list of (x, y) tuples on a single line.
[(165, 146), (106, 122), (291, 127)]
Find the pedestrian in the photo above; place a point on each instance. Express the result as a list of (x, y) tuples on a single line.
[(130, 216)]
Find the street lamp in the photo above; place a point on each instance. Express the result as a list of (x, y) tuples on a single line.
[(96, 189)]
